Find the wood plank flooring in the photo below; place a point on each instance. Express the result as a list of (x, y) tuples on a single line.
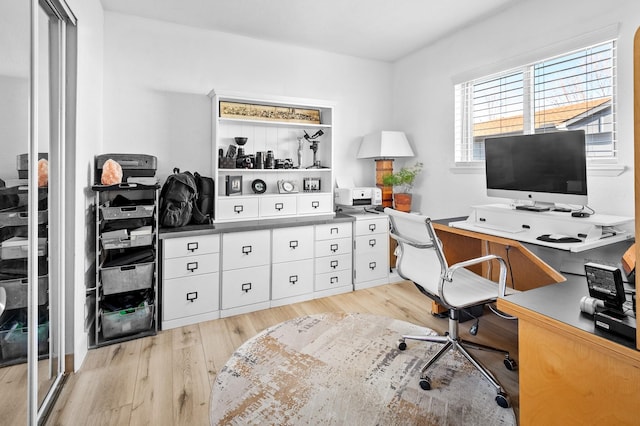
[(166, 379)]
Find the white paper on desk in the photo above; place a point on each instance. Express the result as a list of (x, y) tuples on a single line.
[(345, 182)]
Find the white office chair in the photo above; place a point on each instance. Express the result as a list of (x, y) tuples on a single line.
[(419, 258)]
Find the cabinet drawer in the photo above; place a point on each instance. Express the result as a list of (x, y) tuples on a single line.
[(245, 286), (315, 203), (335, 230), (333, 263), (187, 246), (372, 244), (245, 249), (292, 244), (371, 266), (372, 226), (333, 247), (277, 206), (329, 280), (190, 265), (234, 208), (183, 297), (292, 279)]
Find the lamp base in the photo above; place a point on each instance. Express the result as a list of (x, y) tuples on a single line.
[(384, 167)]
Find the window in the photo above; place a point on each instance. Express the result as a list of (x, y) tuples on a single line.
[(572, 91)]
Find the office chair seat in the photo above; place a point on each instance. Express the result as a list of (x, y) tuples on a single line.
[(421, 259)]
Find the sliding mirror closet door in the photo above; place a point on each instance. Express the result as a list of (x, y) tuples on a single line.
[(33, 41)]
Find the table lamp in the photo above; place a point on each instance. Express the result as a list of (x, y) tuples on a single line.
[(383, 147)]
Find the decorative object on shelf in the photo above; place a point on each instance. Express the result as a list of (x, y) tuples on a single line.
[(311, 184), (270, 162), (240, 141), (383, 147), (258, 186), (403, 180), (233, 185), (268, 113), (259, 164), (287, 187), (314, 147)]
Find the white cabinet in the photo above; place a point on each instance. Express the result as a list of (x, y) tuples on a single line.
[(333, 251), (292, 269), (190, 280), (370, 250), (274, 126), (246, 261)]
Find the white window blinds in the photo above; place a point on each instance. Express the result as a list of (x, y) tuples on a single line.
[(572, 91)]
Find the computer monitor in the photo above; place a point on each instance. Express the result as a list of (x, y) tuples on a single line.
[(544, 168)]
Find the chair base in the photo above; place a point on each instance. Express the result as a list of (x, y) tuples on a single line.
[(453, 343)]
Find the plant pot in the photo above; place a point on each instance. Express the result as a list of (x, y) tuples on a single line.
[(402, 202)]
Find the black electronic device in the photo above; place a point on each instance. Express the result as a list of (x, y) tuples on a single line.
[(615, 322), (556, 238), (605, 283)]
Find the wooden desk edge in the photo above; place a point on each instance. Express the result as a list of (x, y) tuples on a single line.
[(560, 328)]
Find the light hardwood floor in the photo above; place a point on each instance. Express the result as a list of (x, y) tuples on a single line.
[(166, 379)]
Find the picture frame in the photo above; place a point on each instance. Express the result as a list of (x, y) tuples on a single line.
[(233, 185), (246, 111), (311, 184)]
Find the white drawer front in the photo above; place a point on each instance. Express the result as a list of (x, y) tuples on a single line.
[(375, 243), (245, 249), (336, 230), (183, 297), (329, 280), (292, 279), (333, 263), (371, 266), (187, 246), (278, 206), (372, 226), (292, 244), (333, 247), (315, 203), (246, 286), (235, 208), (190, 265)]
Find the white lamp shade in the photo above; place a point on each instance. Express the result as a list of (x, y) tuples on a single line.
[(385, 144)]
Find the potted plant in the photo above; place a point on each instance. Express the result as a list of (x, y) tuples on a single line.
[(403, 181)]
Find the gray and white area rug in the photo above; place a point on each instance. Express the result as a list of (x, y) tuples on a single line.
[(345, 369)]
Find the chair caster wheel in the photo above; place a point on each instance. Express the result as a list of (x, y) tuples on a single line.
[(425, 383), (402, 345), (502, 400), (510, 364)]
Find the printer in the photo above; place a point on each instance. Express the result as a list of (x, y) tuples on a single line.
[(368, 196)]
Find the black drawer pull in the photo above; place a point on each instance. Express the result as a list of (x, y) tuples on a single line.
[(238, 209), (191, 297), (372, 265), (279, 206), (334, 264), (372, 242), (127, 268), (246, 287), (334, 248), (192, 246), (246, 249), (192, 266), (293, 244), (293, 279), (333, 229), (333, 280), (315, 204), (372, 227)]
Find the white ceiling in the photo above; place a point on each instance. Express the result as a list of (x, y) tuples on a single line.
[(383, 30)]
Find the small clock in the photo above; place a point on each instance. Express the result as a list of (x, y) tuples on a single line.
[(287, 187), (258, 186)]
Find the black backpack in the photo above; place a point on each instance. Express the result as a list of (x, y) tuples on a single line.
[(205, 194), (178, 201)]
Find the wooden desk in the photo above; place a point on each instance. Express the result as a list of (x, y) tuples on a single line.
[(570, 373)]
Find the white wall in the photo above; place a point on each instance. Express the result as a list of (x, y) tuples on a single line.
[(424, 104), (157, 76)]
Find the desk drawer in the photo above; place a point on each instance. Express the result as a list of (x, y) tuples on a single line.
[(333, 263), (292, 279), (247, 286), (236, 208), (187, 246), (334, 230), (333, 247), (191, 265), (292, 244), (245, 249), (372, 226), (334, 279), (187, 296)]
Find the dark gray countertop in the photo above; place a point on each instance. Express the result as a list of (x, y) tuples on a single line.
[(252, 225), (561, 302)]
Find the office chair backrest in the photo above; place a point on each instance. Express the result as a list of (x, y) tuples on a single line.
[(419, 256)]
